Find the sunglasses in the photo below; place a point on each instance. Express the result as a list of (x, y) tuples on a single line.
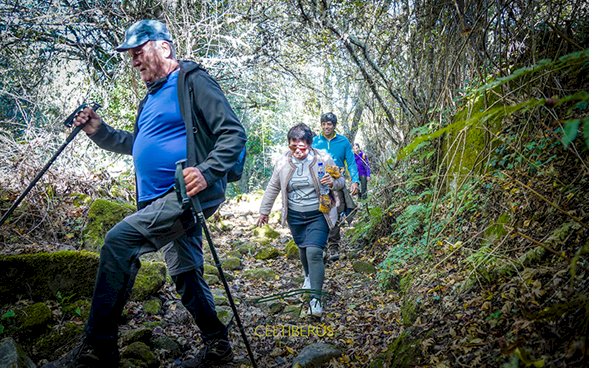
[(300, 147)]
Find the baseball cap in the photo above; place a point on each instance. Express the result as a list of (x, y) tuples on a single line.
[(143, 31), (329, 117)]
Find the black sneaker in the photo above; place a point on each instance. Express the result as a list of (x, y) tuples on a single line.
[(216, 351), (85, 355)]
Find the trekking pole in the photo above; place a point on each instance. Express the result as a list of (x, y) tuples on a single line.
[(194, 202), (68, 123)]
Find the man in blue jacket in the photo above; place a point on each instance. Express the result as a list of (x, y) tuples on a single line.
[(340, 149), (183, 115)]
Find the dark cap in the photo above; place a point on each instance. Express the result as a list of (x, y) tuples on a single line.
[(143, 31), (329, 117)]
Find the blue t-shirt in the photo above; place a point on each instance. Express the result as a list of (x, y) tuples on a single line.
[(160, 142), (340, 150)]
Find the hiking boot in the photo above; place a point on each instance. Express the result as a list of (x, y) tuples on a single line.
[(85, 355), (216, 351), (315, 308)]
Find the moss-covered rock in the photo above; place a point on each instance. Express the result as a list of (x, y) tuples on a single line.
[(363, 267), (291, 250), (247, 248), (210, 269), (266, 231), (231, 263), (54, 344), (150, 279), (267, 253), (140, 355), (211, 279), (168, 347), (224, 314), (40, 276), (259, 273), (152, 306), (136, 335), (34, 317), (102, 216), (401, 353), (220, 297), (262, 241), (80, 308)]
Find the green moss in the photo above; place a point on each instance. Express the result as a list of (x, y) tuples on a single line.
[(52, 345), (266, 231), (210, 269), (408, 311), (211, 279), (136, 335), (259, 273), (363, 267), (150, 279), (140, 355), (247, 248), (79, 308), (231, 263), (102, 216), (401, 353), (152, 306), (40, 276), (267, 253), (33, 317), (224, 314), (291, 250)]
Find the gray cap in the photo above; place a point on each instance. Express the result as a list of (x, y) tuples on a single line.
[(143, 31)]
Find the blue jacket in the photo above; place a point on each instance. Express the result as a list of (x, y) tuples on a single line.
[(340, 150)]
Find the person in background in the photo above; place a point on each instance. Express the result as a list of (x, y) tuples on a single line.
[(364, 170), (340, 150), (163, 134), (297, 177)]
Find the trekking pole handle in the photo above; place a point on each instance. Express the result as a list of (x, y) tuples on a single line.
[(70, 120), (186, 200)]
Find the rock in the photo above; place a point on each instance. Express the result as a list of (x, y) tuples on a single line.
[(291, 250), (210, 269), (220, 297), (72, 273), (275, 307), (259, 273), (363, 267), (267, 253), (231, 263), (150, 279), (13, 356), (152, 306), (140, 355), (55, 344), (169, 347), (211, 279), (225, 314), (102, 216), (293, 311), (136, 335), (247, 248), (266, 232), (33, 318), (316, 355)]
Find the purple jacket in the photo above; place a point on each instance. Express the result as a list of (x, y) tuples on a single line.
[(363, 166)]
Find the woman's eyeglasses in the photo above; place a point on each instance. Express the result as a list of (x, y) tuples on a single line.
[(300, 147)]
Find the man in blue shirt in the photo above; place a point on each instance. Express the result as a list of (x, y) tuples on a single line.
[(183, 115), (340, 149)]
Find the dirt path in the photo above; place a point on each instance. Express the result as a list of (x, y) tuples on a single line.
[(358, 319)]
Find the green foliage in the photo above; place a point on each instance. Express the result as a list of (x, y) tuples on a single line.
[(6, 316)]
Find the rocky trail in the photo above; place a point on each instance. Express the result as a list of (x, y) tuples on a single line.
[(264, 274)]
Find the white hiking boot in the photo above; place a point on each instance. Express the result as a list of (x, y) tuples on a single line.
[(315, 307)]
